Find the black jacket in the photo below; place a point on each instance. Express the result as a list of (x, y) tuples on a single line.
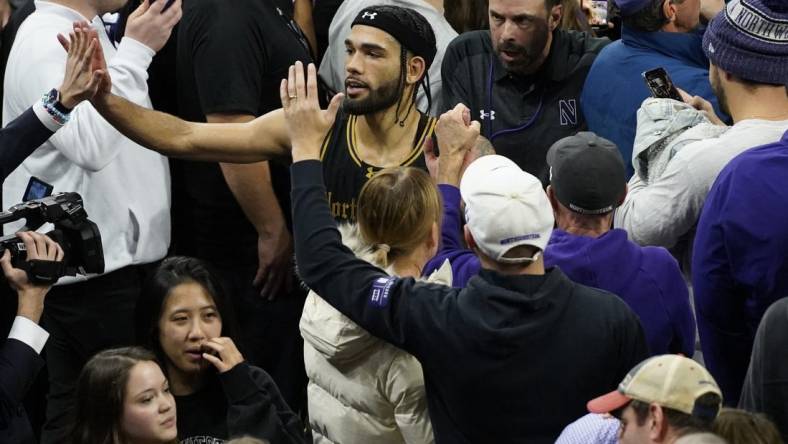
[(18, 140), (19, 365), (766, 385), (521, 115), (508, 359)]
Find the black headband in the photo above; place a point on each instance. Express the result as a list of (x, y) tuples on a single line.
[(405, 35)]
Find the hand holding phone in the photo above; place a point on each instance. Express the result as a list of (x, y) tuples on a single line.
[(702, 105)]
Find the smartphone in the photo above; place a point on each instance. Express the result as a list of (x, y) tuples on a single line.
[(658, 81), (37, 189)]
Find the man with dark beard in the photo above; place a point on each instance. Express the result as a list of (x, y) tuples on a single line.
[(522, 79), (389, 51)]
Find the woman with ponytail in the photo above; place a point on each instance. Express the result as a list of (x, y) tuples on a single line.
[(362, 389)]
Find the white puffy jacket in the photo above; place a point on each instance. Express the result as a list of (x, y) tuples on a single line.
[(361, 389)]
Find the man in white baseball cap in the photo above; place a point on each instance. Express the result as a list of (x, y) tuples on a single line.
[(508, 216)]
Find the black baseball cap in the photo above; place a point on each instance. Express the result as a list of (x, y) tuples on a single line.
[(587, 173)]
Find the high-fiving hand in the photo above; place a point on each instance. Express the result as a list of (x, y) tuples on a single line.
[(307, 124), (85, 63), (81, 81)]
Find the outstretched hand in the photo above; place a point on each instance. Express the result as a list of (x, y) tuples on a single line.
[(86, 70), (84, 73), (307, 124)]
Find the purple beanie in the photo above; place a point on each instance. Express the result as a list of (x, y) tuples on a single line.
[(749, 39)]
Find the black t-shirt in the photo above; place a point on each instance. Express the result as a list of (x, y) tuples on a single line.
[(232, 55), (522, 116), (202, 416), (344, 171)]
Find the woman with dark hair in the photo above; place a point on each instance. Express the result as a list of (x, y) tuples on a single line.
[(184, 316), (124, 398)]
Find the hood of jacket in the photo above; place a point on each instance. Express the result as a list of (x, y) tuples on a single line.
[(333, 334), (609, 261)]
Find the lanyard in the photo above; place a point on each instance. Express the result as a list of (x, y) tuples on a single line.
[(492, 135)]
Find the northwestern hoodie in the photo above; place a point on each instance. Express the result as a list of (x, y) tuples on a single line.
[(648, 279)]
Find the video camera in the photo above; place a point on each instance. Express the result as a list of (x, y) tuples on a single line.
[(78, 236)]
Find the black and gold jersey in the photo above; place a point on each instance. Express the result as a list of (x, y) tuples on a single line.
[(345, 173)]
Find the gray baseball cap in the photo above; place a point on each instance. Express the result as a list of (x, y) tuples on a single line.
[(587, 173)]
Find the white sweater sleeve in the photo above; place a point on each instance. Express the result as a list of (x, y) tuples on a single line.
[(88, 140), (661, 212)]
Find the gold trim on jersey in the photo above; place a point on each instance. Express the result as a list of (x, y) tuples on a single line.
[(326, 142), (418, 148)]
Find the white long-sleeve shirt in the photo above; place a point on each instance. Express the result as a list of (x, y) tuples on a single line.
[(661, 212), (125, 188)]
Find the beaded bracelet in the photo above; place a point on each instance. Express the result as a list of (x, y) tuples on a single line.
[(49, 105)]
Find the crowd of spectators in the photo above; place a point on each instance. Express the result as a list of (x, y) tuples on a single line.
[(398, 221)]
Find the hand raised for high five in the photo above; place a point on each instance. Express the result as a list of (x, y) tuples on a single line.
[(85, 62), (81, 81), (307, 124)]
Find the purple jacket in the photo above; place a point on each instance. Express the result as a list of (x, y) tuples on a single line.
[(740, 260), (464, 264), (648, 279)]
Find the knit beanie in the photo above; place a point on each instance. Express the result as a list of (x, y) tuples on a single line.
[(749, 39)]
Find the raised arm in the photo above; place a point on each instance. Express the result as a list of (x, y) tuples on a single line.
[(23, 135), (261, 139)]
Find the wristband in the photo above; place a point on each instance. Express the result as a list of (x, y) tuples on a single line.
[(54, 108)]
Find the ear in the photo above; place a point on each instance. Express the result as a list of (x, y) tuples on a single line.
[(416, 67), (555, 16), (435, 236), (550, 195), (669, 9), (657, 426), (469, 240)]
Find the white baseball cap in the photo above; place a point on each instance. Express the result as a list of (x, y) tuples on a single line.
[(505, 207)]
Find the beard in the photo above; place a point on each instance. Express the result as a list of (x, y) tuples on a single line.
[(378, 99), (528, 57), (719, 91)]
